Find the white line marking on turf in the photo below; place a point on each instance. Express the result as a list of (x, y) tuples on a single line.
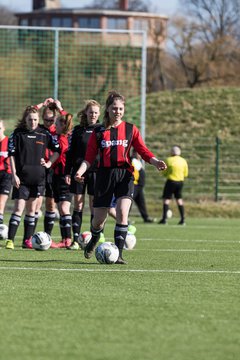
[(188, 250), (127, 270), (190, 240)]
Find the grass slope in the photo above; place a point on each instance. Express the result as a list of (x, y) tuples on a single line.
[(177, 298)]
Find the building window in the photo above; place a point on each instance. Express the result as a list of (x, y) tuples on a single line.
[(140, 24), (117, 24), (89, 22), (24, 22), (38, 22), (61, 22)]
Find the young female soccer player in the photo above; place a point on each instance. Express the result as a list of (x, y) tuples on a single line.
[(5, 171), (26, 148), (113, 142), (61, 190), (88, 117)]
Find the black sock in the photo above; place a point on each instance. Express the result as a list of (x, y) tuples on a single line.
[(120, 234), (66, 224), (36, 221), (95, 235), (165, 209), (49, 220), (14, 222), (29, 225), (1, 218), (181, 211), (76, 224)]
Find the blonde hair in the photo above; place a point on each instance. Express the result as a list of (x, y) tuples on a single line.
[(67, 121), (112, 95), (82, 116)]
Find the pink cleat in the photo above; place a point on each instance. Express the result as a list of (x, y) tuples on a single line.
[(68, 242), (54, 245), (28, 244)]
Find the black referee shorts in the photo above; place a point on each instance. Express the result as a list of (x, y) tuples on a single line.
[(112, 182), (172, 188)]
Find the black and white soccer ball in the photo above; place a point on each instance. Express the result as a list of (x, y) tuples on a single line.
[(107, 253), (41, 241), (84, 239), (130, 241), (3, 232)]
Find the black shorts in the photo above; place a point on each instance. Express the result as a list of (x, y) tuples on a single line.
[(173, 188), (61, 191), (49, 190), (26, 192), (5, 182), (89, 184), (48, 184), (112, 182)]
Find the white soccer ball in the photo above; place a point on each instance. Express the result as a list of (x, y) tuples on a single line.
[(84, 239), (130, 241), (107, 253), (169, 214), (3, 232), (41, 241)]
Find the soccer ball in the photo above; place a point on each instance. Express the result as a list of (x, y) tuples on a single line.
[(3, 232), (41, 241), (107, 253), (169, 214), (130, 241), (84, 239)]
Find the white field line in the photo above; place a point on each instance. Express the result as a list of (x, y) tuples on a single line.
[(229, 272), (189, 250)]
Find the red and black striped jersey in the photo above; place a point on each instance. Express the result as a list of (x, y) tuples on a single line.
[(113, 146), (4, 159)]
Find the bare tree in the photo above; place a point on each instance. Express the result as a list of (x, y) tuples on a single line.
[(133, 5), (205, 45), (7, 17)]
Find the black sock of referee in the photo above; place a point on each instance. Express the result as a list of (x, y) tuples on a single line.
[(165, 209), (13, 225), (120, 234), (181, 211)]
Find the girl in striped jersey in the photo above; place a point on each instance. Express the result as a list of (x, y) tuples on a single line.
[(5, 171), (112, 142)]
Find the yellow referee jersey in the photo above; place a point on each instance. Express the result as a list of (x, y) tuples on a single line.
[(177, 168)]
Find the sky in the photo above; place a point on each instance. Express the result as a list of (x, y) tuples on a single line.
[(164, 7)]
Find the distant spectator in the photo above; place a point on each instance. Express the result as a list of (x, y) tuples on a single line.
[(139, 183), (176, 172)]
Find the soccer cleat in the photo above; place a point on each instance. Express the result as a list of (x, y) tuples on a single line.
[(65, 243), (132, 229), (182, 222), (74, 246), (68, 242), (27, 244), (53, 245), (9, 245), (102, 238), (162, 222), (149, 220), (121, 261), (89, 249)]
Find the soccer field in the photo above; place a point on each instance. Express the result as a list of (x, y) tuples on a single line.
[(177, 299)]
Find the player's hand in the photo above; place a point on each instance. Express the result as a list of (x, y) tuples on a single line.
[(160, 165), (79, 178), (16, 181), (46, 164), (58, 105), (68, 179), (48, 101)]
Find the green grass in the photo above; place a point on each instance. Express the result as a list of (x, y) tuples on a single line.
[(178, 297)]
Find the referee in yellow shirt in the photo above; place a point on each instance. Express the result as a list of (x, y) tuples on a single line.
[(176, 172)]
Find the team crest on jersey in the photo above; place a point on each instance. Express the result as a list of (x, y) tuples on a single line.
[(109, 143)]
